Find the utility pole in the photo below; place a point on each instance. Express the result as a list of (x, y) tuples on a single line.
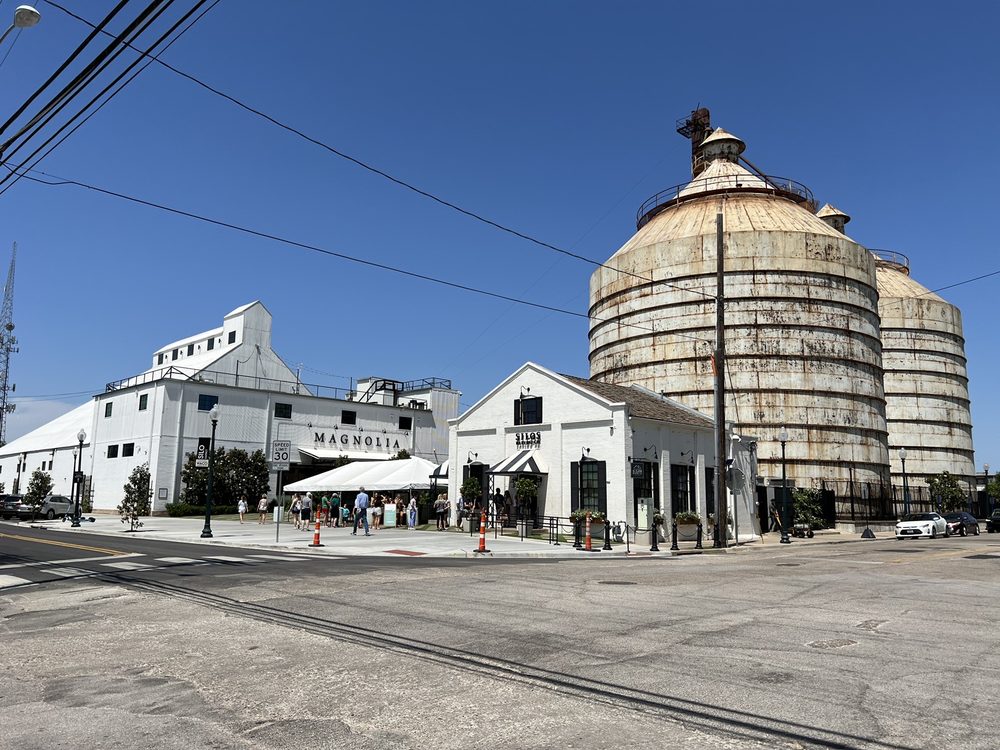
[(8, 346), (721, 439)]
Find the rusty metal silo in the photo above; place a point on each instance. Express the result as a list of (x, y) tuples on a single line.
[(802, 327), (926, 382)]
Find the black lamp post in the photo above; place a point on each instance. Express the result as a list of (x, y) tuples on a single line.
[(906, 486), (206, 533), (783, 438), (78, 478), (986, 485)]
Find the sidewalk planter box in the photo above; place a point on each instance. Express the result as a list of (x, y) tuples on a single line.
[(687, 532)]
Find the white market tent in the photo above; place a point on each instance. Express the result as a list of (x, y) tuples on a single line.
[(404, 474)]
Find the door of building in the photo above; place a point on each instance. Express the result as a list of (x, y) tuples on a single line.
[(645, 486)]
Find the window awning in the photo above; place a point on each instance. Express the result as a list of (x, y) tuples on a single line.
[(328, 454), (440, 471), (522, 462)]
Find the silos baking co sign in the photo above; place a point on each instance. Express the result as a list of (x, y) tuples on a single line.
[(527, 439)]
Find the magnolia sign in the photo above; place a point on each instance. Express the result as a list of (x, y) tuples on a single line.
[(357, 441)]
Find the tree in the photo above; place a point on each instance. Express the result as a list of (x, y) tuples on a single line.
[(807, 508), (992, 488), (471, 489), (234, 473), (403, 453), (136, 500), (947, 492), (39, 488)]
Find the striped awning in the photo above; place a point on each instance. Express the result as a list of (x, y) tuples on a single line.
[(440, 471), (522, 462)]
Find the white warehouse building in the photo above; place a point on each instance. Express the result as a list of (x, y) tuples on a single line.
[(158, 416)]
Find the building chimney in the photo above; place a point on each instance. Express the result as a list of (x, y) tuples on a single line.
[(834, 217)]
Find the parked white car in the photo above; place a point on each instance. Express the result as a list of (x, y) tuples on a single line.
[(922, 524), (52, 506)]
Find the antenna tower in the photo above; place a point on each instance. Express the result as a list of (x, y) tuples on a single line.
[(8, 346)]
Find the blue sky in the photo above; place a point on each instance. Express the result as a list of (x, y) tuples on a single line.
[(554, 118)]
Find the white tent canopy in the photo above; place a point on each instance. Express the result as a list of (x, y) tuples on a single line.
[(404, 474)]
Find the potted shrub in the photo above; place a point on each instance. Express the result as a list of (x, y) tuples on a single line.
[(687, 525), (658, 520)]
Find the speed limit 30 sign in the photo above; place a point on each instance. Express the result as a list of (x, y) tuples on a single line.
[(280, 450)]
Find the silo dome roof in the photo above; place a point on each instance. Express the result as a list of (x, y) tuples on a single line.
[(722, 175), (718, 135), (892, 282)]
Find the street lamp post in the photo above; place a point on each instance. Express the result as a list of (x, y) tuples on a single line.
[(78, 478), (206, 533), (783, 438), (24, 18), (906, 487), (986, 485)]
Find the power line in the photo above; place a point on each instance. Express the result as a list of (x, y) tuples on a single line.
[(382, 173), (57, 181), (115, 81)]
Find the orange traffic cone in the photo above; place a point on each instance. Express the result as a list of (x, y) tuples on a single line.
[(316, 534), (482, 533)]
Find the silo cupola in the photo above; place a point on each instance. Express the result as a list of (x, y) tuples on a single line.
[(722, 145), (834, 217)]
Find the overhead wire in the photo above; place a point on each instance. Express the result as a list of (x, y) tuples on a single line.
[(58, 181), (184, 18), (386, 175)]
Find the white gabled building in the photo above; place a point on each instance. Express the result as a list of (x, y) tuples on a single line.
[(622, 450), (158, 416)]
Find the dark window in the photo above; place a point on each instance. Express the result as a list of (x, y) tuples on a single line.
[(107, 409), (682, 487), (190, 349), (283, 411), (112, 451), (206, 402), (588, 485), (128, 449), (143, 400), (710, 490), (348, 417), (232, 337), (210, 345), (406, 423), (528, 410), (159, 359), (173, 355)]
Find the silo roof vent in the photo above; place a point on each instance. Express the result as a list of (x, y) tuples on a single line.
[(722, 145), (834, 217)]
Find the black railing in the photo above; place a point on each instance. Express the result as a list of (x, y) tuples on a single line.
[(254, 382), (891, 256), (703, 186), (423, 384)]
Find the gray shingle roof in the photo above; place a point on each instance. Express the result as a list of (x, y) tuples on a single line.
[(644, 404)]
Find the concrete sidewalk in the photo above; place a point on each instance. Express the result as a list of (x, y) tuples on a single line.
[(394, 542), (390, 542)]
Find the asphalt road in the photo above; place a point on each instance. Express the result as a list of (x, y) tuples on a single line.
[(137, 643)]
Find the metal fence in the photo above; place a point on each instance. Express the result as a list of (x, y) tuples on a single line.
[(875, 502)]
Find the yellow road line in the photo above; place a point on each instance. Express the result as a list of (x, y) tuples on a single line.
[(112, 552)]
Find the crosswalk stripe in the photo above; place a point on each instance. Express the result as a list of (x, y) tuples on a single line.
[(126, 566), (8, 581), (282, 558), (68, 572), (176, 560), (225, 558)]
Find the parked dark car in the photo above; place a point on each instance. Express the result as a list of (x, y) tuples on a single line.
[(962, 523), (9, 505), (993, 522)]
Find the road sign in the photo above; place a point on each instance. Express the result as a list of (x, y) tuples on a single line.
[(201, 457), (280, 450)]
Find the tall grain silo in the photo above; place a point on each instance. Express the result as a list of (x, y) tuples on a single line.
[(802, 326), (926, 383)]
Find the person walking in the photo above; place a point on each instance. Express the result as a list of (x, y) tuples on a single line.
[(296, 508), (361, 512), (241, 507), (262, 509), (441, 511), (335, 509), (411, 513), (306, 511)]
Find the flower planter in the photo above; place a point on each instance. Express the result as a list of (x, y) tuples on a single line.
[(687, 532)]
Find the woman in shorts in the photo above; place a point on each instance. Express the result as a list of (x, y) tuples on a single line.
[(241, 507), (296, 509)]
